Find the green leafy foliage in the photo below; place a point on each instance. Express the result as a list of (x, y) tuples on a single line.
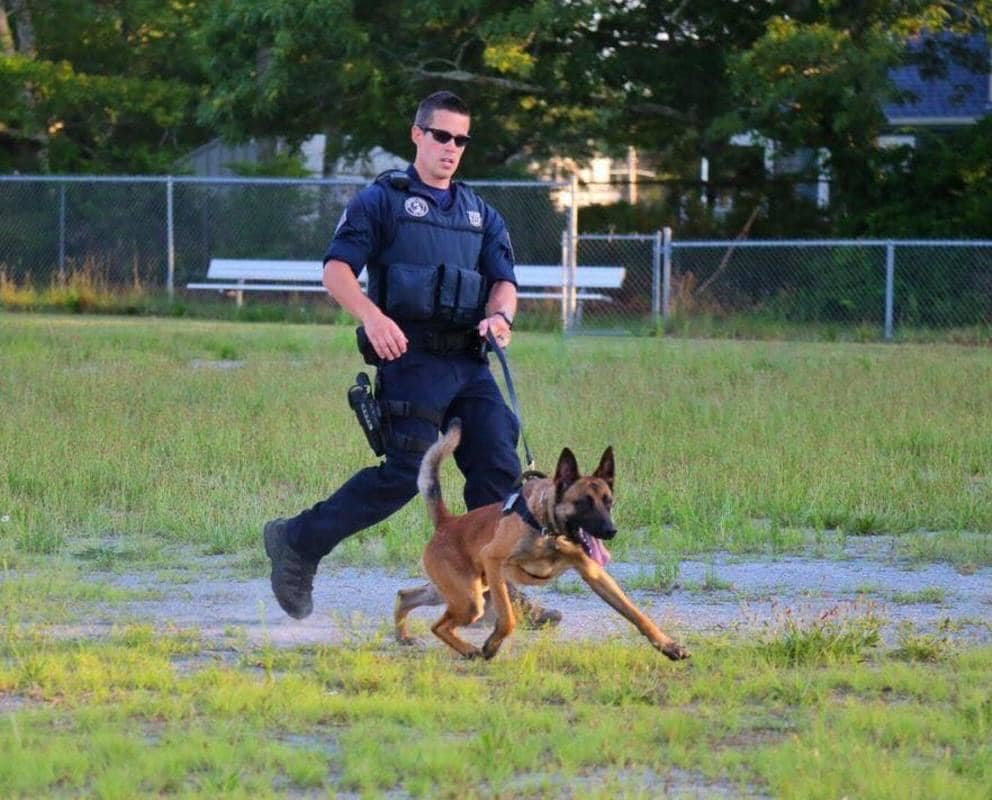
[(132, 86), (109, 87)]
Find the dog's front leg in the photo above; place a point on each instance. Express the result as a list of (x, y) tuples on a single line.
[(607, 588), (500, 595)]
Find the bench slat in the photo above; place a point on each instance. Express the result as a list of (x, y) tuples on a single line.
[(593, 277), (231, 269), (259, 287), (271, 275)]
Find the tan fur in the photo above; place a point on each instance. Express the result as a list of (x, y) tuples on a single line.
[(484, 549)]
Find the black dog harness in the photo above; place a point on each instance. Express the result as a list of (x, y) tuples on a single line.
[(515, 504)]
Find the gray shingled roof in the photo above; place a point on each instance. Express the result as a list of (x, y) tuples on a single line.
[(961, 95)]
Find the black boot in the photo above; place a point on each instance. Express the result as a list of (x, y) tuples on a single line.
[(292, 574)]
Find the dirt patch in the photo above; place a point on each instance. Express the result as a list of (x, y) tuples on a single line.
[(720, 593)]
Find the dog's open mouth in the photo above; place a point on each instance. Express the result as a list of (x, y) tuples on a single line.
[(594, 548)]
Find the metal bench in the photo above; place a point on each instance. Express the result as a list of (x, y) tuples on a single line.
[(535, 281)]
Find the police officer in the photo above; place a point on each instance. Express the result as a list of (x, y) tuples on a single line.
[(440, 280)]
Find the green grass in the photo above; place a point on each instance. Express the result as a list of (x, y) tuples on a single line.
[(798, 714), (931, 594), (60, 593), (192, 432), (132, 444)]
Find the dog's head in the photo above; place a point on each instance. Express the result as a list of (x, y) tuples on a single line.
[(583, 504)]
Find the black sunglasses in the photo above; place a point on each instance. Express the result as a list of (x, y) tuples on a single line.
[(443, 137)]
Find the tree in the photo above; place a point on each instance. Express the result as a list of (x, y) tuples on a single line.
[(97, 87), (818, 79), (350, 70), (546, 77)]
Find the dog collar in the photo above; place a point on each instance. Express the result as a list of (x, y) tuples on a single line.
[(515, 504)]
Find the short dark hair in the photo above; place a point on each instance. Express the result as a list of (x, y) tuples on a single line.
[(439, 101)]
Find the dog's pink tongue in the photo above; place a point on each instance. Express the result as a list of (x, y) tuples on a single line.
[(598, 552)]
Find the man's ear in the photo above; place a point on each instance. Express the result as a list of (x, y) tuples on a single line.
[(566, 473), (605, 468)]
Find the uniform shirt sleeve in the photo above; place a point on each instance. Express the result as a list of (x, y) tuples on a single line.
[(359, 234), (496, 257)]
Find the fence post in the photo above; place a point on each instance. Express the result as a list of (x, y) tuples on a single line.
[(564, 279), (666, 276), (890, 280), (568, 287), (62, 214), (656, 279), (170, 241)]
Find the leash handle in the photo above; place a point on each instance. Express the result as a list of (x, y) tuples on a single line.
[(514, 403)]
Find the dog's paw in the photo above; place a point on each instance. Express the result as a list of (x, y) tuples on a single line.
[(491, 647), (675, 651), (409, 641)]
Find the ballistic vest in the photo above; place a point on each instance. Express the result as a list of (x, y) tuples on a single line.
[(427, 275)]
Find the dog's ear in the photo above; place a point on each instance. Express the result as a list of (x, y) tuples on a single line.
[(567, 471), (605, 469)]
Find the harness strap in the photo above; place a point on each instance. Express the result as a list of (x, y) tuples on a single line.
[(515, 504)]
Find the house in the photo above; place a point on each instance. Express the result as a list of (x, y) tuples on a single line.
[(948, 95), (954, 95)]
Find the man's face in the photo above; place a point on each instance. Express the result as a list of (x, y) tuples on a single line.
[(436, 162)]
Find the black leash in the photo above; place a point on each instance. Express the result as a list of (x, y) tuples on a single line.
[(514, 403)]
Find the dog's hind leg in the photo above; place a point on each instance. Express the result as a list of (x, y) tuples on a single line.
[(464, 611), (409, 599)]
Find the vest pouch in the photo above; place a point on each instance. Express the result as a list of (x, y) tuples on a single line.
[(411, 291), (461, 295)]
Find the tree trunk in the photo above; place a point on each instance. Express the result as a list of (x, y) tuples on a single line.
[(6, 37), (23, 43), (21, 15)]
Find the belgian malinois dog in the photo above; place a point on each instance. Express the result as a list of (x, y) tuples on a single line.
[(553, 525)]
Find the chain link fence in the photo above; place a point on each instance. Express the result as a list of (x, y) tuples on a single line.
[(158, 234), (872, 287)]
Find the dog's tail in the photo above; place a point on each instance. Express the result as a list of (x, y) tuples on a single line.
[(429, 480)]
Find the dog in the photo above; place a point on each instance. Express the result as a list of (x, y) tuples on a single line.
[(551, 526)]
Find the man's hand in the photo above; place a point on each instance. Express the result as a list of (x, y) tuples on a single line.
[(498, 326), (387, 338)]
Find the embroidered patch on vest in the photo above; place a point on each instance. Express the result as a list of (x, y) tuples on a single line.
[(416, 207), (475, 218)]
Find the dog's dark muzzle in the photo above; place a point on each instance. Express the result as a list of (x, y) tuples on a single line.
[(598, 527)]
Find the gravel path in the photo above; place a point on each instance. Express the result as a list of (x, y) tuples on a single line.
[(721, 593)]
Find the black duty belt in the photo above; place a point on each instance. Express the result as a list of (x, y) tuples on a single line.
[(446, 342)]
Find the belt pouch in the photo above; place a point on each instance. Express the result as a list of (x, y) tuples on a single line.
[(460, 295)]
